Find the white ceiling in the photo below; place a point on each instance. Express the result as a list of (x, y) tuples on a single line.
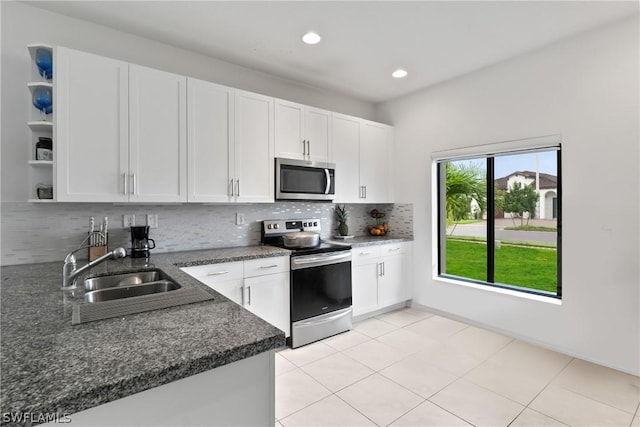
[(363, 41)]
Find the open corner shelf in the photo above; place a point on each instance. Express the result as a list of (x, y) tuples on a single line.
[(41, 163)]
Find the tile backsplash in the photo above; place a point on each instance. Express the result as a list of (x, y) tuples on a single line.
[(34, 232)]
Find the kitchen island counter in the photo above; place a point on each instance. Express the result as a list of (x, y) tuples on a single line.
[(50, 366)]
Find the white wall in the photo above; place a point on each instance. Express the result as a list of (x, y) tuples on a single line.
[(586, 89), (23, 24)]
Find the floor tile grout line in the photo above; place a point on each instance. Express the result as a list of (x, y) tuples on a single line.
[(455, 415), (582, 394), (528, 405)]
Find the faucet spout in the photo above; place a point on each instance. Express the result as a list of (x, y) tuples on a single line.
[(70, 272)]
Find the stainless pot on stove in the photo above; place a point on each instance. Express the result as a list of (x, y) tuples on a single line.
[(301, 239)]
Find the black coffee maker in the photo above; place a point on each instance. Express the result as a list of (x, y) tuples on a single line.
[(141, 244)]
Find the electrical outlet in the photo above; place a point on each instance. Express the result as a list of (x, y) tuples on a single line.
[(128, 220), (152, 220), (239, 219)]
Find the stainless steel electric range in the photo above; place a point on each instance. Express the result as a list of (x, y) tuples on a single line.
[(320, 297)]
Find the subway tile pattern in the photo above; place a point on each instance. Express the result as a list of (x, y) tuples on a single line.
[(33, 232)]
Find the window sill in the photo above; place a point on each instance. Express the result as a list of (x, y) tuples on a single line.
[(503, 291)]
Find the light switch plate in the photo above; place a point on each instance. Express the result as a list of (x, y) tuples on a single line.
[(128, 220), (239, 218)]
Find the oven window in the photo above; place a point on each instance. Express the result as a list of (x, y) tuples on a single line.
[(300, 179), (319, 290)]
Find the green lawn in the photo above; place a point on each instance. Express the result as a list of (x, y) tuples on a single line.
[(519, 266)]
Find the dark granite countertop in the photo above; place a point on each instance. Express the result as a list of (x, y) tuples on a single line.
[(49, 366)]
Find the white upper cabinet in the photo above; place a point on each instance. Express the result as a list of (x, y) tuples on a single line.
[(210, 118), (128, 133), (253, 152), (362, 152), (120, 131), (376, 162), (302, 132), (346, 156), (157, 135), (92, 127)]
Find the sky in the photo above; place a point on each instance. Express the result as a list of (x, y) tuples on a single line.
[(505, 165)]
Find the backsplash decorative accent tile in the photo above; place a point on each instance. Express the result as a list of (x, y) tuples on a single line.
[(34, 232)]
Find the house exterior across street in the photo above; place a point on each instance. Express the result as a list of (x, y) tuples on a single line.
[(547, 188)]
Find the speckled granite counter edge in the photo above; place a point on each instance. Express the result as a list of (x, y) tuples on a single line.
[(360, 241), (122, 386)]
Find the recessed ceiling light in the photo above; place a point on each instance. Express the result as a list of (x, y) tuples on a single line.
[(399, 73), (311, 38)]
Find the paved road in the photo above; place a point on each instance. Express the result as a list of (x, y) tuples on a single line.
[(478, 229)]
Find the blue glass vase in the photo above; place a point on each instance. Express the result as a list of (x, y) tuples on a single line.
[(43, 100), (44, 63)]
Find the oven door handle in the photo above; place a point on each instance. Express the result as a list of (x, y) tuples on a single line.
[(307, 261), (325, 319)]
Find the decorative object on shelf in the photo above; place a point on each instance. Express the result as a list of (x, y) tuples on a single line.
[(381, 228), (44, 148), (44, 191), (341, 216), (44, 62), (43, 100)]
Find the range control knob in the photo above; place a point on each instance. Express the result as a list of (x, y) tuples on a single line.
[(304, 224), (268, 226), (276, 226), (315, 224)]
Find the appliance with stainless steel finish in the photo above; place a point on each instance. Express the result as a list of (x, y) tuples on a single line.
[(320, 294), (304, 180)]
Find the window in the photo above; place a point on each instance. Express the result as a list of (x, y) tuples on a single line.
[(499, 211)]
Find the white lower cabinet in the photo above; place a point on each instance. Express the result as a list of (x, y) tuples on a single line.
[(259, 285), (268, 297), (379, 276), (238, 394)]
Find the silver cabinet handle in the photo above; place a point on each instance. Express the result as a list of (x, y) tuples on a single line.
[(304, 148), (365, 191), (124, 184), (308, 148), (269, 266), (249, 295), (361, 192), (242, 296), (237, 188), (383, 269), (380, 269), (133, 184), (217, 273), (230, 188)]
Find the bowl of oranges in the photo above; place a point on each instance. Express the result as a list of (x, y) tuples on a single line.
[(381, 228)]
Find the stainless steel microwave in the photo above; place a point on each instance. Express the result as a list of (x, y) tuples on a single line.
[(304, 180)]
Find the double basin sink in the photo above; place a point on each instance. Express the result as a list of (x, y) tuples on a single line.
[(126, 285)]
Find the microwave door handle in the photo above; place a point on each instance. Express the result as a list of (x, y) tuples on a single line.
[(328, 176)]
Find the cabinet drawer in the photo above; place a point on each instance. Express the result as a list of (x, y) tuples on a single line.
[(262, 266), (364, 254), (214, 273), (393, 249)]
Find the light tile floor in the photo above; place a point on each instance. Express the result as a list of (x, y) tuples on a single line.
[(412, 368)]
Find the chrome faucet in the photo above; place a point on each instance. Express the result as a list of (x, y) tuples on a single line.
[(70, 272)]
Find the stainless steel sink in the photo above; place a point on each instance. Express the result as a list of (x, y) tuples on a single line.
[(124, 279), (123, 291)]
